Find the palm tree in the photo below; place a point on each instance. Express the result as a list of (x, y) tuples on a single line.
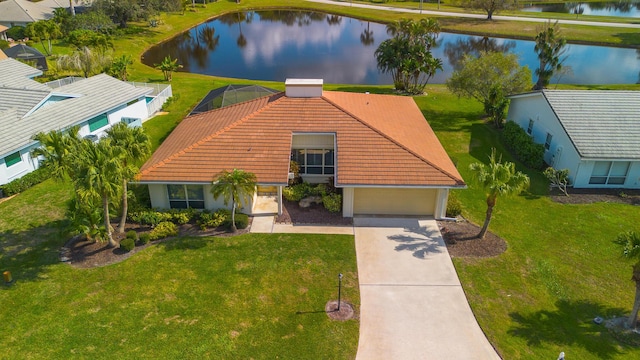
[(235, 186), (499, 179), (134, 146), (84, 60), (56, 147), (99, 175), (630, 242), (168, 66), (120, 67)]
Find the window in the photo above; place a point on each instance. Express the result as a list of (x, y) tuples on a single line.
[(12, 159), (530, 128), (98, 122), (609, 173), (314, 161), (186, 196), (547, 141)]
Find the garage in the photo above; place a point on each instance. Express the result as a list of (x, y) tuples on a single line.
[(394, 201)]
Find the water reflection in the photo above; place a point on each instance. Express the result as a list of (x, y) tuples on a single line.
[(274, 45), (622, 8)]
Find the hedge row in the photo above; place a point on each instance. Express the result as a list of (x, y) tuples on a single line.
[(522, 145), (19, 185)]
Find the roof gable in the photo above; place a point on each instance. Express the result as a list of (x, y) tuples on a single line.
[(256, 136)]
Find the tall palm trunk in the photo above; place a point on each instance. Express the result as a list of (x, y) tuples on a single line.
[(491, 202), (233, 216), (631, 322), (125, 207), (107, 225)]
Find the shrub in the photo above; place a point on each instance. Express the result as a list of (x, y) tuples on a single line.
[(131, 234), (454, 206), (4, 44), (332, 202), (127, 244), (296, 192), (163, 230), (16, 32), (19, 185), (242, 221), (518, 141), (145, 238), (211, 220), (154, 217)]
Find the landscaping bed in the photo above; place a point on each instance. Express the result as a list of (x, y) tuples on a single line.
[(461, 239), (315, 214)]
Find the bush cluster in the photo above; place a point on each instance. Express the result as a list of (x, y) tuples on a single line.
[(332, 202), (19, 185), (242, 220), (155, 217), (518, 141), (132, 234), (209, 219), (163, 230), (331, 198), (127, 244)]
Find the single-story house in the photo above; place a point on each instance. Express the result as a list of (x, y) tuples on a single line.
[(28, 107), (378, 149), (28, 55), (595, 134), (23, 12)]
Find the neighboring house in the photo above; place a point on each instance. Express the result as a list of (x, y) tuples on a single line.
[(594, 134), (23, 12), (3, 33), (378, 149), (28, 55), (28, 107)]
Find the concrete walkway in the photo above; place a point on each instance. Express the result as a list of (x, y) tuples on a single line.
[(477, 16), (412, 305), (265, 224)]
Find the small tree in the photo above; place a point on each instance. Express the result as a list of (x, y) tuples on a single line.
[(44, 30), (488, 78), (630, 242), (498, 179), (490, 6), (168, 66), (558, 178), (550, 46), (120, 67), (235, 186), (85, 61)]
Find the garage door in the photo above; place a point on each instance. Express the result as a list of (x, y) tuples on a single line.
[(385, 201)]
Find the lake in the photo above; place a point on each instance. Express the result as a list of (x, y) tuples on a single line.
[(623, 8), (280, 44)]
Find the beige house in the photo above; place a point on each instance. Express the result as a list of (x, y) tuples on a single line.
[(378, 149)]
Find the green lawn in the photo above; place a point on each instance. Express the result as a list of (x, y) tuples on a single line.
[(250, 296)]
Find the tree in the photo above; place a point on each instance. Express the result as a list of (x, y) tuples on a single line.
[(488, 79), (235, 186), (120, 67), (82, 38), (134, 146), (168, 66), (99, 175), (407, 55), (86, 61), (550, 47), (120, 11), (44, 30), (56, 148), (490, 6), (498, 179), (558, 178), (630, 242)]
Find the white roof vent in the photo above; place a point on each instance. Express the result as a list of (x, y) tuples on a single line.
[(303, 88)]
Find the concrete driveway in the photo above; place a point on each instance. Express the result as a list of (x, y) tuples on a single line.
[(412, 303)]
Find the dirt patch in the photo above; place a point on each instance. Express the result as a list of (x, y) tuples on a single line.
[(461, 240), (588, 196), (82, 253), (315, 214)]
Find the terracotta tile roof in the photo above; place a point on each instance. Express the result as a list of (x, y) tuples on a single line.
[(380, 140)]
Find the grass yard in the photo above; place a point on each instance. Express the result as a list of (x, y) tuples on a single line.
[(251, 296)]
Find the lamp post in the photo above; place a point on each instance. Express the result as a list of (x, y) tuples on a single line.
[(339, 289)]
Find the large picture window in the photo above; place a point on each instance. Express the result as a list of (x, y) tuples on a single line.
[(186, 196), (609, 173), (12, 159), (314, 161)]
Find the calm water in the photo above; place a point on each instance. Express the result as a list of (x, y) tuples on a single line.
[(628, 8), (275, 45)]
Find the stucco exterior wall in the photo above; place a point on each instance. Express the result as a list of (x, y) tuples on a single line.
[(26, 165), (135, 110), (160, 199)]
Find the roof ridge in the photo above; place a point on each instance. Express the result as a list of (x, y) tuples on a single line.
[(392, 140), (211, 136)]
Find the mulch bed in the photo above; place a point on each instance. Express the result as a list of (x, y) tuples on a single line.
[(82, 253), (588, 196), (314, 215), (460, 238)]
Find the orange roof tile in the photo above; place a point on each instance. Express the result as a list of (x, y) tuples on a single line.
[(381, 140)]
